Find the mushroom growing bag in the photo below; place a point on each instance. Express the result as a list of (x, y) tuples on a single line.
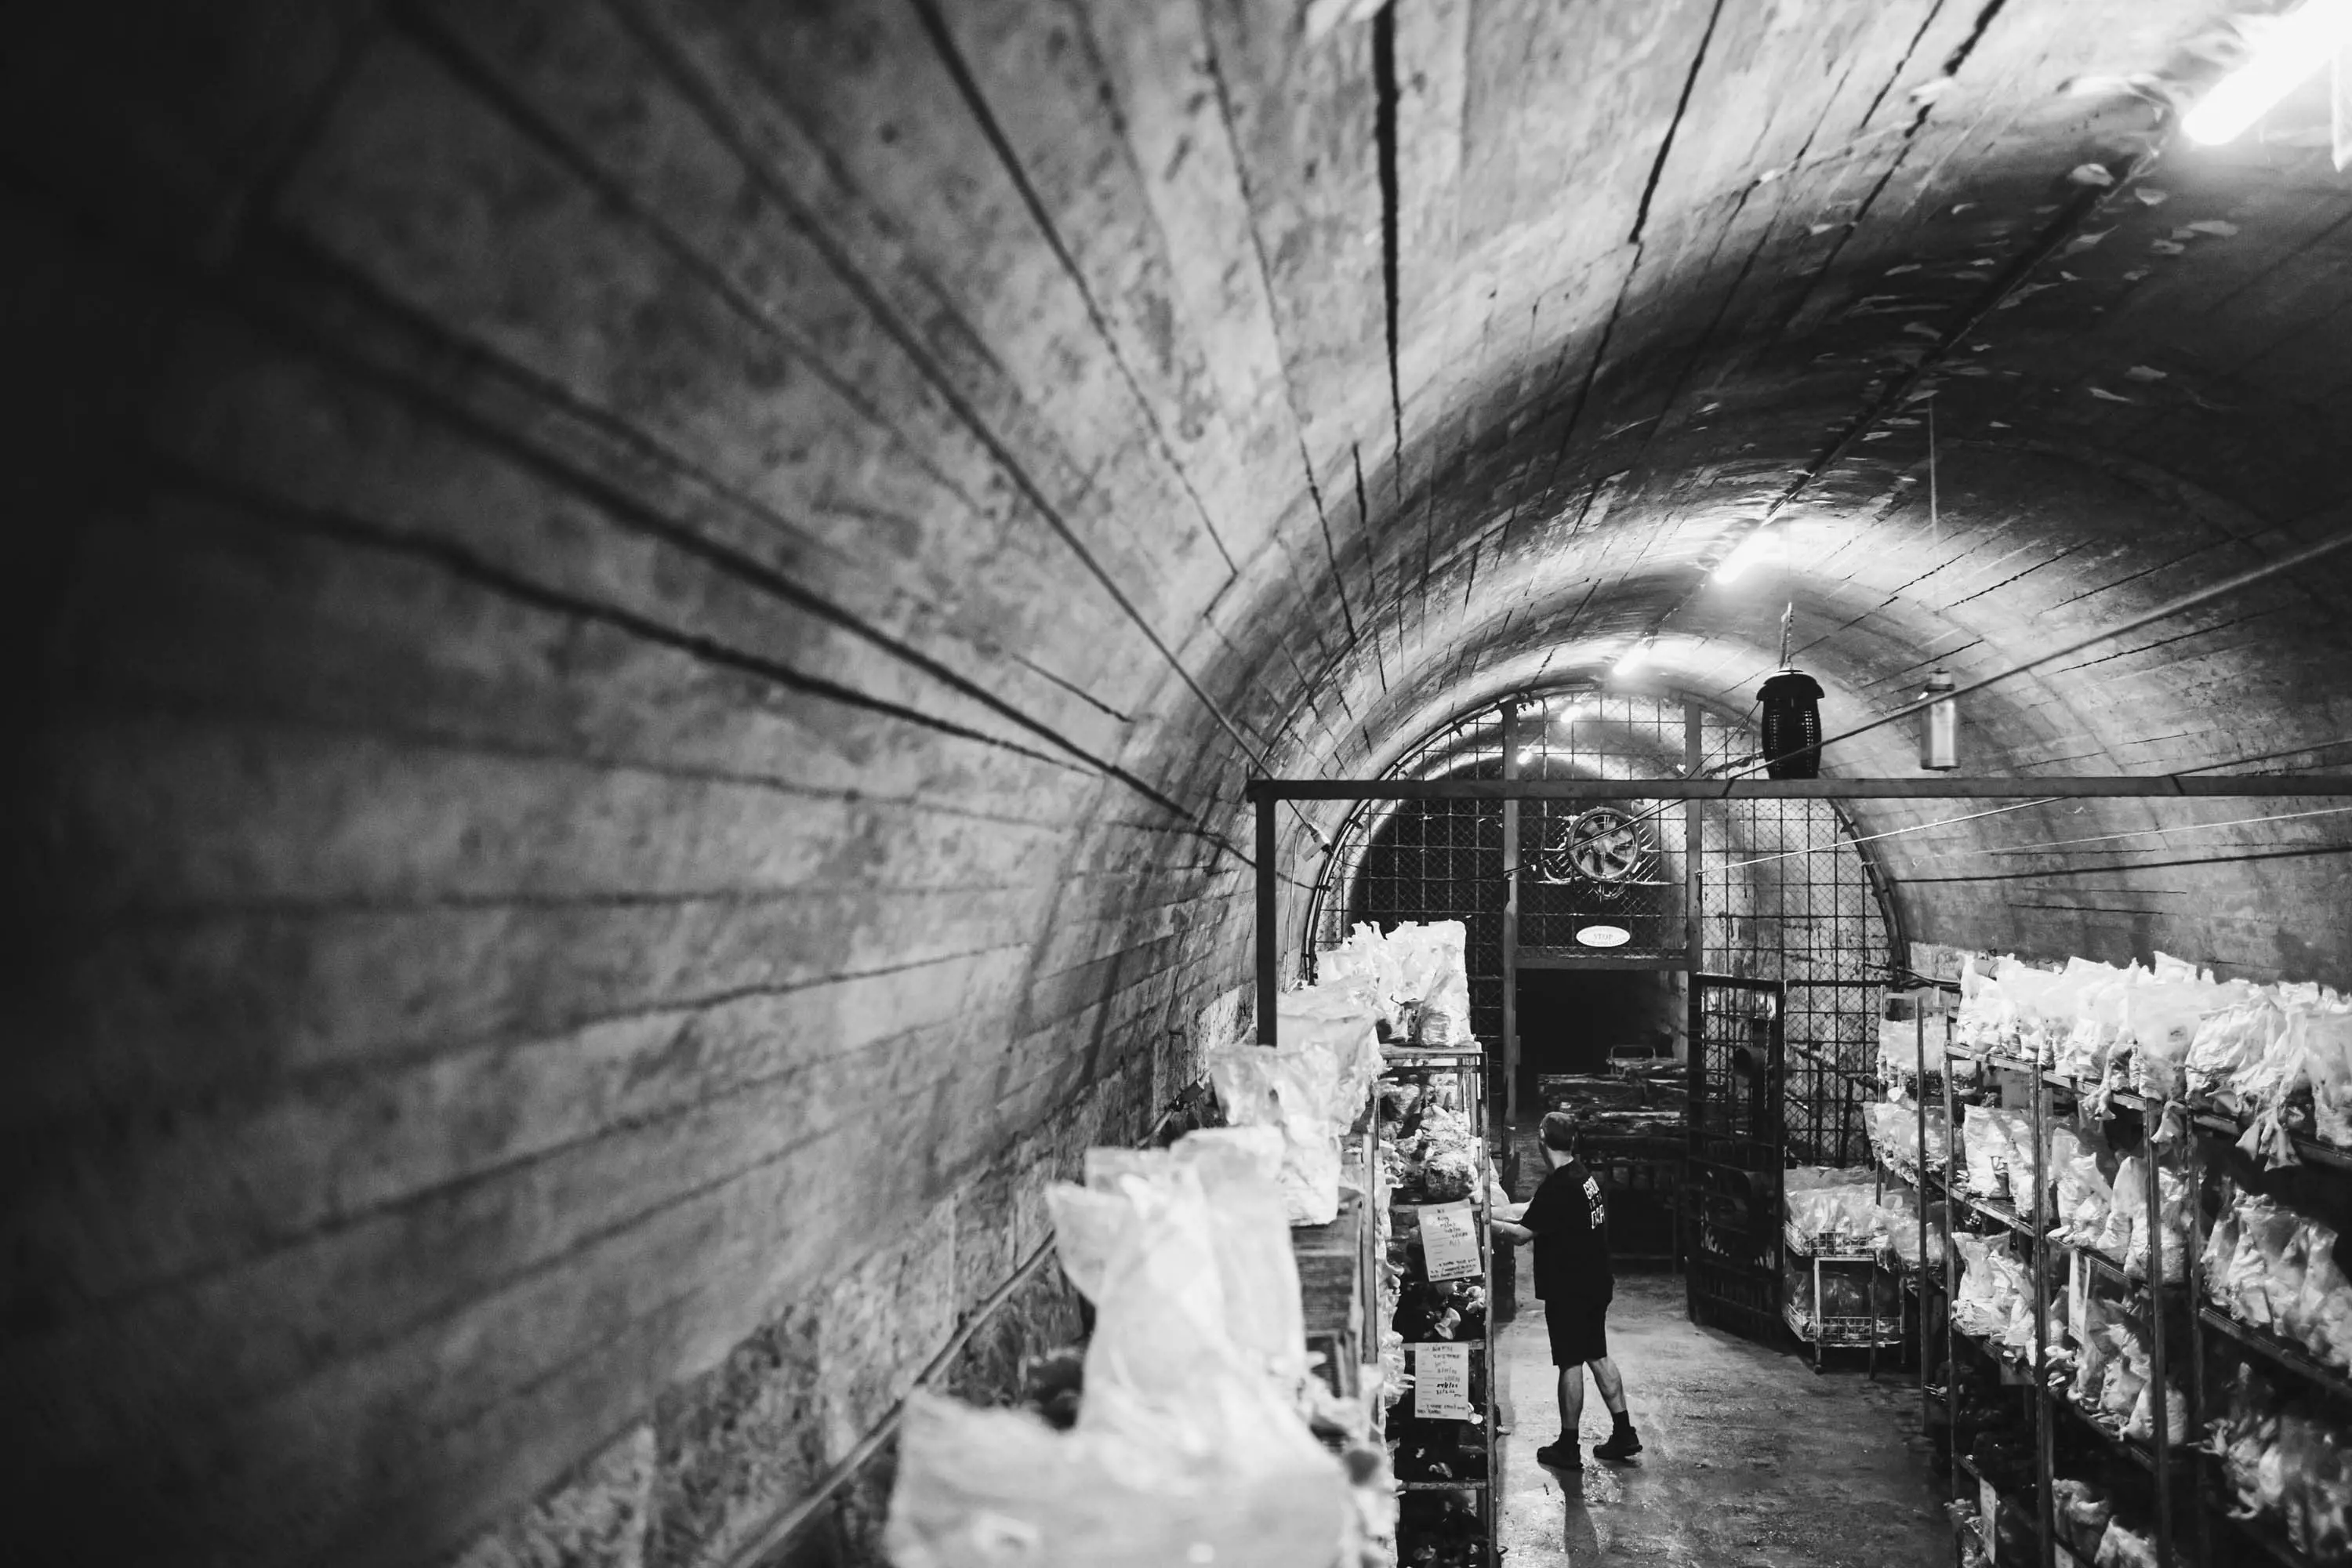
[(1183, 1451), (1293, 1090)]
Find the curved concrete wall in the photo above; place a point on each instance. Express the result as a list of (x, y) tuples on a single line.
[(637, 626)]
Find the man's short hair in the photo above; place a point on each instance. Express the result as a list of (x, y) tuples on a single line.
[(1558, 1132)]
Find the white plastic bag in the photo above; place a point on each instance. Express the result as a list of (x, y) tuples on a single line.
[(1433, 972), (1291, 1088), (2126, 1210), (2162, 1021), (1239, 1171), (1334, 1018), (1183, 1451), (2327, 1063), (999, 1489)]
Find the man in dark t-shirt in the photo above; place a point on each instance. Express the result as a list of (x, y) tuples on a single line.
[(1569, 1223)]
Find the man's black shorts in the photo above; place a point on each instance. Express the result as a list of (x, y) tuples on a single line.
[(1580, 1329)]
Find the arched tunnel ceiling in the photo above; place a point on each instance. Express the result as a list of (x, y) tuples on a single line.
[(1026, 366), (1140, 379)]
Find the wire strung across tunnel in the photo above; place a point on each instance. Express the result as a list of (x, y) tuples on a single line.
[(2117, 868), (2145, 832), (2340, 539), (1894, 832)]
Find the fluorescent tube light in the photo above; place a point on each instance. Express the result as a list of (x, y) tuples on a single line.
[(1747, 552), (2285, 55), (1635, 657)]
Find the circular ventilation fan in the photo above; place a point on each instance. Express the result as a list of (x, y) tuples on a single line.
[(1604, 844)]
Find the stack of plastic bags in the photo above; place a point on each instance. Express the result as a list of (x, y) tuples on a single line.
[(1415, 979), (1190, 1443), (2123, 1547), (2286, 1466), (1311, 1089), (1986, 1017), (1440, 1160), (1836, 1209), (2134, 1028), (1994, 1291), (2279, 1055), (2064, 1016), (2162, 1017), (2081, 1513), (2084, 1197), (1998, 1156), (2113, 1369), (1894, 1135), (1903, 1054), (2226, 1060), (2274, 1269), (2124, 1235)]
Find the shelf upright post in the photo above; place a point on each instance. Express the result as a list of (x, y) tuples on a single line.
[(1919, 1187), (1510, 729), (2045, 1459), (1269, 923), (2193, 1272), (2151, 1118), (1494, 1492), (1951, 1270)]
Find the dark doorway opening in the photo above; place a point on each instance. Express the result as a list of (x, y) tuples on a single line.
[(1568, 1018)]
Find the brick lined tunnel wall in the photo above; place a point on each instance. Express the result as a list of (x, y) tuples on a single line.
[(636, 628)]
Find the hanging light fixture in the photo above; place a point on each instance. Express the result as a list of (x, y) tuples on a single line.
[(2287, 52), (1939, 724), (1792, 716), (1748, 553)]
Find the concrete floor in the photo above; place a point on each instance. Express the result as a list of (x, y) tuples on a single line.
[(1752, 1461)]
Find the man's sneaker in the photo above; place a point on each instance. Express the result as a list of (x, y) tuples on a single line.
[(1621, 1446), (1560, 1456)]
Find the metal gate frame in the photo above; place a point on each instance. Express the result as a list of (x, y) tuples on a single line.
[(1739, 1138), (1822, 918)]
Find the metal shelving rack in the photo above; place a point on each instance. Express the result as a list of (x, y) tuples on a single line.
[(1922, 1279), (2172, 1475), (1469, 1066), (2156, 1300), (2249, 1542), (2031, 1224)]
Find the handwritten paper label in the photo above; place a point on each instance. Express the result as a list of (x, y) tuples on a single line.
[(1989, 1512), (1449, 1241), (1441, 1382)]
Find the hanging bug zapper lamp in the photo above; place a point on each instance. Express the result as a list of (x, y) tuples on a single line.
[(1793, 725), (1792, 715)]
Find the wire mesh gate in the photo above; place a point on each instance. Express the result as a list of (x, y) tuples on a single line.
[(1731, 1192)]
